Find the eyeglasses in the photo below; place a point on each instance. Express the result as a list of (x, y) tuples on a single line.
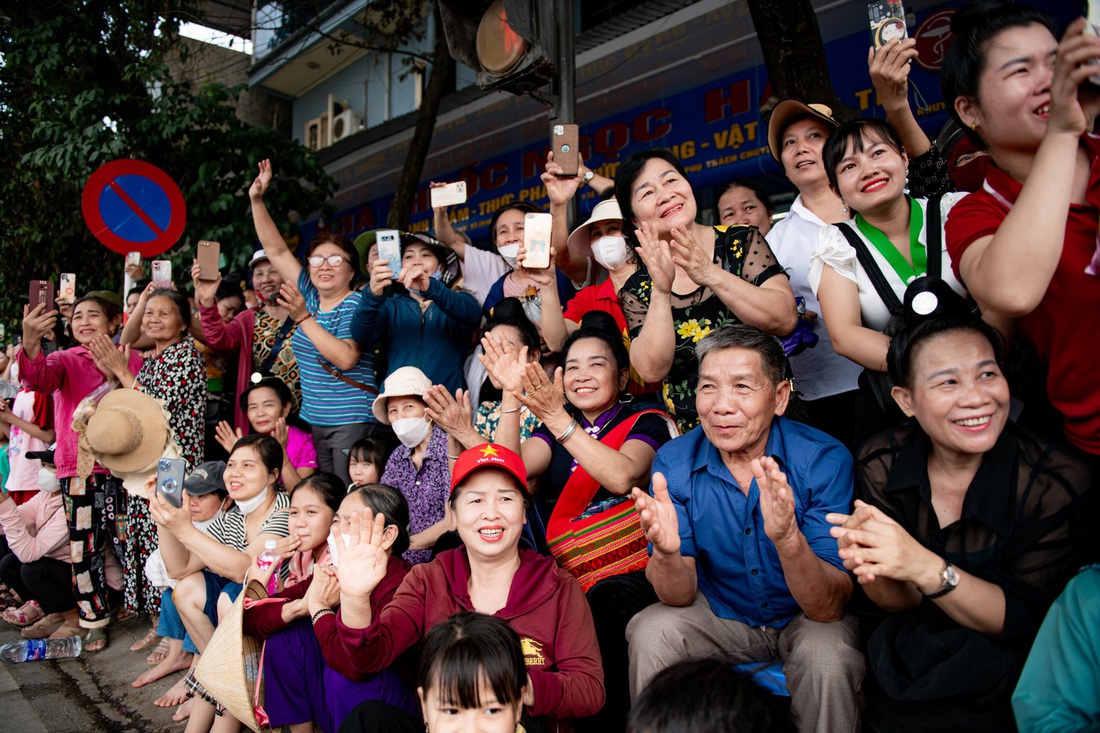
[(332, 260)]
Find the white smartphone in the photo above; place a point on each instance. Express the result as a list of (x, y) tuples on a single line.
[(68, 287), (162, 274), (450, 195), (536, 240), (133, 258), (389, 249)]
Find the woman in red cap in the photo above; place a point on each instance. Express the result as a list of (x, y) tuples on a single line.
[(490, 574)]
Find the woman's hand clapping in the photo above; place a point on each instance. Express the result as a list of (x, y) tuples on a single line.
[(503, 362), (656, 256)]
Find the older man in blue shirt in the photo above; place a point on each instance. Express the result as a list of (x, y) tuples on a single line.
[(742, 558)]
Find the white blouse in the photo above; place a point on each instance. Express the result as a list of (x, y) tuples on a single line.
[(833, 250)]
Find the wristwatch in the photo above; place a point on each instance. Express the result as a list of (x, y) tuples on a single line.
[(950, 577), (588, 176)]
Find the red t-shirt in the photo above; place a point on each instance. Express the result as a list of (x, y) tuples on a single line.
[(1064, 326), (602, 297)]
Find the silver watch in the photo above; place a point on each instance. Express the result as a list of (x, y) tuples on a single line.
[(588, 176), (950, 577)]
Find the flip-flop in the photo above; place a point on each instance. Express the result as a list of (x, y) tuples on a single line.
[(163, 648), (95, 636), (24, 616), (43, 628)]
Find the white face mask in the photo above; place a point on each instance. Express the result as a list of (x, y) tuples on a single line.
[(411, 431), (510, 253), (247, 506), (204, 525), (332, 546), (612, 251), (47, 480)]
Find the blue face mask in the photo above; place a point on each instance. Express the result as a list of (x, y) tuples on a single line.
[(437, 275)]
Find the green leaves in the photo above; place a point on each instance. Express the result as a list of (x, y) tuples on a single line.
[(66, 68)]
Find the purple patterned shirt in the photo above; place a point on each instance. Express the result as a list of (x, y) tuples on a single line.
[(426, 490)]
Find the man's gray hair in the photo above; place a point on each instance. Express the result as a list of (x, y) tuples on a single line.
[(772, 357)]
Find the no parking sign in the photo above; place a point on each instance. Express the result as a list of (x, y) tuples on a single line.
[(133, 206)]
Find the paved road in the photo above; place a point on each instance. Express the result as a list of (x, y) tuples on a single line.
[(91, 694)]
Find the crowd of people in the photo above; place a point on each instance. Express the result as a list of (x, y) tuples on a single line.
[(853, 449)]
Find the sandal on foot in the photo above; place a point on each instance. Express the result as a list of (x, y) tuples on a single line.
[(43, 628), (160, 652), (24, 616), (150, 639), (95, 636)]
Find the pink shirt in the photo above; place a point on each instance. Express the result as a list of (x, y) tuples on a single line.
[(45, 515), (299, 448), (72, 375)]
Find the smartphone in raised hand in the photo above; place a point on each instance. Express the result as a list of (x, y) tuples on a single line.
[(169, 485), (536, 240), (207, 256), (162, 274), (68, 288), (389, 249), (42, 291), (887, 22), (450, 194), (565, 142)]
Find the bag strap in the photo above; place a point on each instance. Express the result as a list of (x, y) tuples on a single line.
[(346, 379), (277, 345), (934, 236), (874, 273), (579, 490)]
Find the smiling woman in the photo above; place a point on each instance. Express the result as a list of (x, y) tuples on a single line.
[(965, 529), (885, 246), (693, 279)]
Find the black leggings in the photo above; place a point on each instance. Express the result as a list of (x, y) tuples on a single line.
[(46, 580)]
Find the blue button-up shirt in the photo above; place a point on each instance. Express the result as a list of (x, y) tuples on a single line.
[(722, 526)]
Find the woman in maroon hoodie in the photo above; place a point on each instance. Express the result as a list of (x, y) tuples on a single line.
[(490, 574)]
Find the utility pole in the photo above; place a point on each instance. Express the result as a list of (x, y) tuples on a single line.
[(565, 85)]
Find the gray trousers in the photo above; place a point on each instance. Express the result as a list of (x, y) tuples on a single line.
[(330, 442), (822, 662)]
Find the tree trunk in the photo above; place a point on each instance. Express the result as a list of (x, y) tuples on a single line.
[(405, 193), (794, 54)]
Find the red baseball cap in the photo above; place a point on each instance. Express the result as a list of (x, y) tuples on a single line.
[(488, 455)]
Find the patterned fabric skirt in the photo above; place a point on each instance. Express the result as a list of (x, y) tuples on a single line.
[(141, 539)]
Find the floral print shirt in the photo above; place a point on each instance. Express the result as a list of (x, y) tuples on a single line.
[(177, 375), (426, 489), (488, 417), (741, 251), (284, 366)]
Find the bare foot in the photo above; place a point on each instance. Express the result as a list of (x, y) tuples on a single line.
[(172, 663), (176, 695), (160, 652), (183, 712)]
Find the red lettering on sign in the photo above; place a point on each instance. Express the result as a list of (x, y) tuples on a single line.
[(716, 102), (611, 139), (493, 177), (652, 124)]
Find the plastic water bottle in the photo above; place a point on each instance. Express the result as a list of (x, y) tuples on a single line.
[(32, 649), (265, 562)]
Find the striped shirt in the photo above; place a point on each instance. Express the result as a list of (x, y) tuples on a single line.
[(326, 400), (230, 530)]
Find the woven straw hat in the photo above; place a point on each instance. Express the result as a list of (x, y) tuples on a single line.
[(227, 670), (128, 431)]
